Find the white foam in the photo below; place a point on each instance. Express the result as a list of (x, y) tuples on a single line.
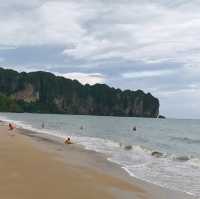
[(195, 162)]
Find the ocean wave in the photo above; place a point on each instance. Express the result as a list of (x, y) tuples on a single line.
[(182, 158), (186, 140), (194, 162), (142, 149)]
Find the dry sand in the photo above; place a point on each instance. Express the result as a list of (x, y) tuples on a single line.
[(37, 167), (27, 172)]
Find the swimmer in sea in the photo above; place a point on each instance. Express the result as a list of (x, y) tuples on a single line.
[(42, 124), (134, 128), (68, 141)]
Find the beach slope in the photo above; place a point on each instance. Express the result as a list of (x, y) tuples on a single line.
[(28, 172)]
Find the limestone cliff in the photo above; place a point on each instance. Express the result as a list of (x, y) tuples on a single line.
[(46, 93)]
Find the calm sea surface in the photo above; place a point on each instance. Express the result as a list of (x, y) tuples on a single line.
[(177, 166)]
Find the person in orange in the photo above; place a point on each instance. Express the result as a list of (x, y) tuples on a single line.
[(68, 141), (11, 127)]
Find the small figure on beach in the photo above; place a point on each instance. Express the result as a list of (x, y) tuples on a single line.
[(42, 124), (68, 141), (81, 128), (11, 126), (134, 128)]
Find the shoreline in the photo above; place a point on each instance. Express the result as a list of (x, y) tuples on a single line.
[(99, 162), (28, 171)]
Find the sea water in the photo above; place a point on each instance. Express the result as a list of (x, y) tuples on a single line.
[(175, 165)]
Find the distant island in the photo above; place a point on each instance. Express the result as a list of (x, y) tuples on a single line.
[(43, 92)]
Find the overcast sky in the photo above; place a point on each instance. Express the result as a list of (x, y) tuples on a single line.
[(153, 45)]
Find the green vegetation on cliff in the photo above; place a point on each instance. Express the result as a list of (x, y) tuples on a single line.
[(43, 92)]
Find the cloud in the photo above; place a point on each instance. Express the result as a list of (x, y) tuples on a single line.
[(146, 74), (151, 31), (41, 23), (141, 30), (85, 78)]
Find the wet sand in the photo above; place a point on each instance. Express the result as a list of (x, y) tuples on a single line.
[(38, 166)]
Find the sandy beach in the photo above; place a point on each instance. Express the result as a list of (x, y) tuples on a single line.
[(36, 166)]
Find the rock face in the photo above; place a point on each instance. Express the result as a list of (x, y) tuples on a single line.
[(46, 93), (27, 94)]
